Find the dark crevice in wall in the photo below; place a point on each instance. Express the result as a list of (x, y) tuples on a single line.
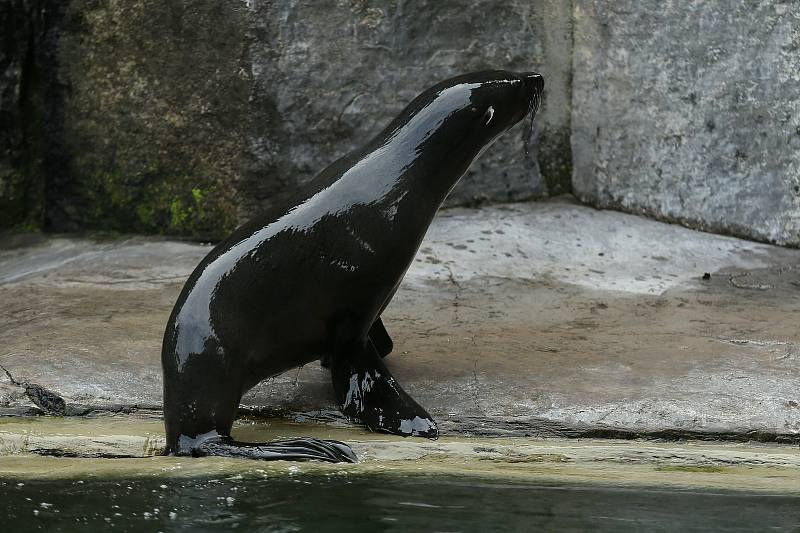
[(570, 79), (60, 201), (29, 163), (20, 175), (34, 175), (553, 144), (555, 162)]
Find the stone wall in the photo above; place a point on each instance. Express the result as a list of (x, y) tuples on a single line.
[(330, 75), (690, 111), (187, 117), (156, 118)]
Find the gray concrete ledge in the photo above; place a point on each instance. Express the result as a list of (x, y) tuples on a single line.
[(28, 446), (527, 319)]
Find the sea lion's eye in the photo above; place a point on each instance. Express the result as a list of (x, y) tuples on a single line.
[(487, 117)]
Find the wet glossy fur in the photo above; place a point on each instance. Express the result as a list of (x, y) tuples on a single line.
[(309, 280)]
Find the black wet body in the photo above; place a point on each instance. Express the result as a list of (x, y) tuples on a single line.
[(309, 280)]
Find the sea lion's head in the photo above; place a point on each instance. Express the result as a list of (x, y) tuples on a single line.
[(459, 117), (496, 100)]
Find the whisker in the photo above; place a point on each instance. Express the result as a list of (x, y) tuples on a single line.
[(527, 134)]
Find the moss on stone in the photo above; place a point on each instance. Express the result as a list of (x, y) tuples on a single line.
[(554, 155), (160, 204), (155, 122), (20, 199)]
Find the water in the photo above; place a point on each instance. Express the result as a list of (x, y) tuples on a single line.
[(340, 501)]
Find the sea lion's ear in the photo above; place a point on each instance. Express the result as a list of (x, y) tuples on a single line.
[(488, 115)]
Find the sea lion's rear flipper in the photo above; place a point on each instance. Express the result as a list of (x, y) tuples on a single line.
[(200, 405), (301, 449), (368, 392)]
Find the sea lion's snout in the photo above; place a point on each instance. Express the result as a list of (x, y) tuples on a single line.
[(534, 82)]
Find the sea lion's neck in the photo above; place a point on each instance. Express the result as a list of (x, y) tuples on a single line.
[(428, 146), (425, 164)]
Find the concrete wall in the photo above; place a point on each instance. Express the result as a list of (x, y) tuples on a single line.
[(187, 117), (329, 75), (156, 116), (690, 111)]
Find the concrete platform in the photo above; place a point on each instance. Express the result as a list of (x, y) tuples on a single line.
[(84, 449), (544, 319)]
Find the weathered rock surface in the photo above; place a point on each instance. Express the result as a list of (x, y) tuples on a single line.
[(156, 118), (185, 118), (690, 112), (544, 319), (329, 76)]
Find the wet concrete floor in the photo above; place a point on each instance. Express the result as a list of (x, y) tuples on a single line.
[(541, 319)]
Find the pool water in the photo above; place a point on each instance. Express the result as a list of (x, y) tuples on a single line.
[(341, 501)]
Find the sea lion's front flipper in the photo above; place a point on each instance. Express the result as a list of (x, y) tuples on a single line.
[(300, 449), (368, 392), (380, 338)]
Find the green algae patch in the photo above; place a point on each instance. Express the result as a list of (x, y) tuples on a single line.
[(157, 203), (155, 123)]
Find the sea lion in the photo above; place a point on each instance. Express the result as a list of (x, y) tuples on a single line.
[(309, 280)]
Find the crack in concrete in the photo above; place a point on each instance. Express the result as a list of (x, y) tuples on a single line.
[(541, 427), (475, 387), (123, 281), (457, 320)]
